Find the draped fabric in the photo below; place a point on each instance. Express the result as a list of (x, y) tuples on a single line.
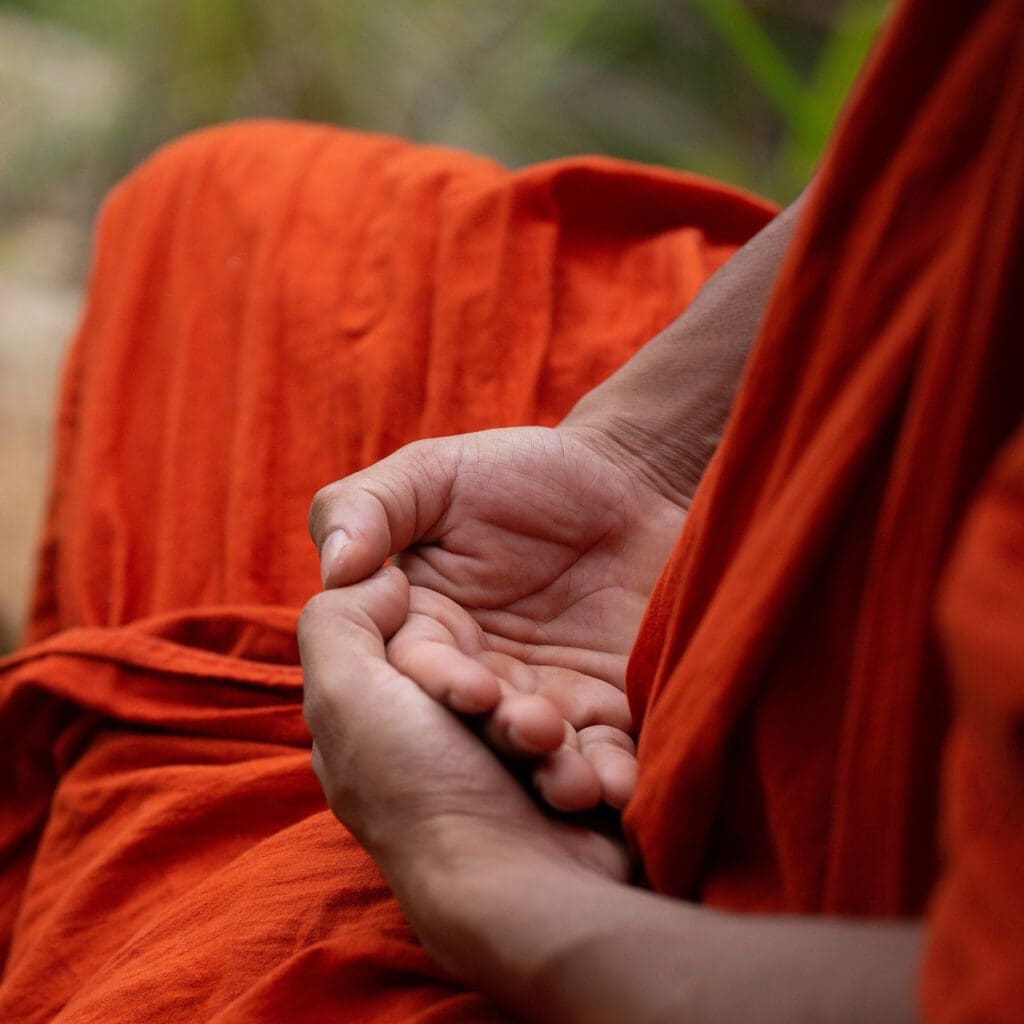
[(829, 681), (974, 963), (794, 689), (272, 307)]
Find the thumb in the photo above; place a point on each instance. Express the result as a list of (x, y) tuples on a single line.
[(356, 523)]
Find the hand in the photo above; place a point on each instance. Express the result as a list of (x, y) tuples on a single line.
[(446, 652), (532, 909), (532, 553), (402, 773)]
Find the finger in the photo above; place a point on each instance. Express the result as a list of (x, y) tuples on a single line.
[(437, 647), (452, 678), (581, 698), (585, 700), (567, 781), (389, 757), (612, 754), (358, 620), (520, 725), (524, 725), (357, 522)]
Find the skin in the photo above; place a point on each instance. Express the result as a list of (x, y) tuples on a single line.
[(494, 650), (531, 556), (552, 540), (533, 909)]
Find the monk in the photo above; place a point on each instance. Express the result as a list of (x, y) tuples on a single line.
[(821, 815), (786, 680)]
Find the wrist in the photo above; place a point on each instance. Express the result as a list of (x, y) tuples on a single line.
[(547, 939), (662, 452), (501, 913), (552, 940), (664, 412)]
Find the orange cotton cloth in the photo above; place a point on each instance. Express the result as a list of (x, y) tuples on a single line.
[(790, 677), (271, 308)]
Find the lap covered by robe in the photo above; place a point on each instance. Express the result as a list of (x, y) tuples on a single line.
[(829, 681), (272, 307)]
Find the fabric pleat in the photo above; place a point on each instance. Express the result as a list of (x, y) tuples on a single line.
[(272, 307)]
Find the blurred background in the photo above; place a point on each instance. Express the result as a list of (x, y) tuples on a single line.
[(742, 90)]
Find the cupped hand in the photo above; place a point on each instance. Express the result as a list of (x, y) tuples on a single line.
[(531, 553), (410, 780), (526, 710)]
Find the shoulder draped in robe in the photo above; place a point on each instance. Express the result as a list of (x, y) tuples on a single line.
[(273, 306)]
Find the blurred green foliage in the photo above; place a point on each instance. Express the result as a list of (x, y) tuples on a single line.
[(744, 91)]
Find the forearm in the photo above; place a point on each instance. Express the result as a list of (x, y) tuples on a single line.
[(667, 407), (563, 944)]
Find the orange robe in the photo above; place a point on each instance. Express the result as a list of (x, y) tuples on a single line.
[(275, 306), (272, 307), (790, 679)]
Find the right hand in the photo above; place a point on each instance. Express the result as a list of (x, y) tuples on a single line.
[(531, 553)]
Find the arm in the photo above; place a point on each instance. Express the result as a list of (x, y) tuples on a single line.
[(665, 410), (535, 910), (557, 943)]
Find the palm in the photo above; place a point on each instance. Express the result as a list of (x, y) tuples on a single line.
[(531, 558), (551, 548)]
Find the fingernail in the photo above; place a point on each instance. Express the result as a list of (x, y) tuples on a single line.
[(334, 545)]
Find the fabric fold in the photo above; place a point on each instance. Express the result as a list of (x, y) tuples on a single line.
[(271, 307)]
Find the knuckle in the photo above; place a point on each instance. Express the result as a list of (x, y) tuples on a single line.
[(607, 738), (320, 508), (419, 458), (312, 629), (321, 712), (316, 762), (312, 615), (312, 709)]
